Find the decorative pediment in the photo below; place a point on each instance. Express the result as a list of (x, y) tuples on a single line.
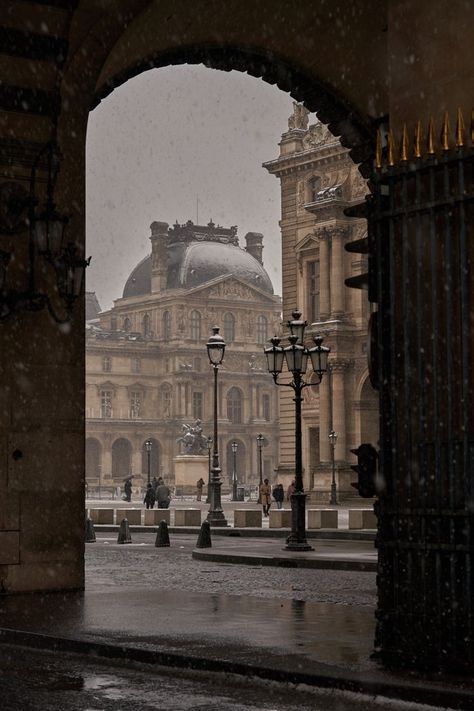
[(232, 288), (136, 387), (106, 385), (310, 241)]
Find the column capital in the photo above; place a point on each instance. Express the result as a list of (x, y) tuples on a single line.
[(340, 365)]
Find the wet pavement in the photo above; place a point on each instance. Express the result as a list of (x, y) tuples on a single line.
[(158, 605)]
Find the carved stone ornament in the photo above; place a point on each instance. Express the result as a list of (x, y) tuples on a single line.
[(299, 117), (14, 203), (317, 135)]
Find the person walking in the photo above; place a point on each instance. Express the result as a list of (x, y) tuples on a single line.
[(278, 495), (291, 490), (163, 495), (266, 496), (127, 489), (149, 499), (199, 485)]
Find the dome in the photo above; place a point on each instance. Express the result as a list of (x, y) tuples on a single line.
[(193, 263)]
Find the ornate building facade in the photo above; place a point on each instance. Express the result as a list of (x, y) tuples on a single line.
[(146, 362), (318, 181)]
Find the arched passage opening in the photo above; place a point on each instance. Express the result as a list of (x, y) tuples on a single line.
[(240, 461), (155, 459), (121, 459), (93, 460)]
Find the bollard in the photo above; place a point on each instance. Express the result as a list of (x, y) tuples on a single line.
[(90, 532), (162, 536), (124, 532), (204, 538)]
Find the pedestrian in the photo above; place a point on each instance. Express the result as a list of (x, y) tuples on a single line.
[(199, 485), (154, 484), (149, 499), (163, 495), (127, 490), (265, 496), (291, 490), (278, 495)]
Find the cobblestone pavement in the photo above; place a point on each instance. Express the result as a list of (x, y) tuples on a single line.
[(32, 680), (142, 565)]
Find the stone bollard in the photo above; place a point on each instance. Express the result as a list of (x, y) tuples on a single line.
[(124, 532), (90, 532), (204, 538), (162, 536)]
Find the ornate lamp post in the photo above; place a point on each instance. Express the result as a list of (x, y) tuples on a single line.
[(215, 351), (234, 446), (209, 445), (296, 356), (148, 446), (260, 441), (333, 441)]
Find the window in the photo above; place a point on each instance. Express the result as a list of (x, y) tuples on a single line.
[(106, 403), (197, 365), (146, 326), (167, 365), (106, 364), (197, 405), (166, 401), (166, 326), (314, 188), (229, 328), (195, 326), (266, 407), (127, 325), (313, 291), (234, 405), (113, 323), (136, 365), (261, 330), (135, 404)]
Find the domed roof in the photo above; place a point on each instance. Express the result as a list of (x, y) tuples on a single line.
[(195, 262)]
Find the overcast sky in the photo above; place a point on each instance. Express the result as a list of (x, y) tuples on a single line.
[(167, 140)]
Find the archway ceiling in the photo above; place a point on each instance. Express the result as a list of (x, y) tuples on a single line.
[(330, 54)]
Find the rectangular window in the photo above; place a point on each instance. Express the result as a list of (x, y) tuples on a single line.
[(106, 403), (313, 291), (266, 407), (135, 404), (136, 365), (197, 405)]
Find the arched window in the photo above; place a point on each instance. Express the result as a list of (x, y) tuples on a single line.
[(234, 405), (166, 326), (314, 185), (127, 325), (195, 326), (146, 326), (229, 328), (106, 364), (261, 330), (155, 458), (241, 468), (121, 458)]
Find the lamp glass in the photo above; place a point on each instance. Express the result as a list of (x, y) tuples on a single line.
[(215, 347), (296, 358)]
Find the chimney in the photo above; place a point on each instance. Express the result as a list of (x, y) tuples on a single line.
[(254, 242), (159, 256)]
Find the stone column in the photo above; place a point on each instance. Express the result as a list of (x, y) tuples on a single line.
[(324, 295), (338, 369), (337, 272), (324, 419)]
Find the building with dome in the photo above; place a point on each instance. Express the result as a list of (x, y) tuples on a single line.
[(147, 371)]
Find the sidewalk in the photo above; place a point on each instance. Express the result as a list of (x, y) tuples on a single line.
[(288, 640)]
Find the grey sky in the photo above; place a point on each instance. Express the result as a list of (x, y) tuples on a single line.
[(166, 138)]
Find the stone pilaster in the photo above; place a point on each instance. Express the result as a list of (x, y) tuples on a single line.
[(337, 272), (324, 269), (339, 397)]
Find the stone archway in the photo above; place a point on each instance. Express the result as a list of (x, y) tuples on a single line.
[(121, 459)]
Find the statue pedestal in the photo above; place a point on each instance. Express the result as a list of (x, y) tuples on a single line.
[(188, 468)]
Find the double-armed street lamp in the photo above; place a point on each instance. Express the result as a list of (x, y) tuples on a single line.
[(260, 441), (209, 445), (234, 446), (148, 446), (296, 356), (215, 351), (333, 442)]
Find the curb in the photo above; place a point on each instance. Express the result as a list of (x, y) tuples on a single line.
[(323, 534), (399, 689), (285, 562)]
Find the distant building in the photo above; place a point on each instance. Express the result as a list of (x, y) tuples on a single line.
[(318, 180), (147, 366)]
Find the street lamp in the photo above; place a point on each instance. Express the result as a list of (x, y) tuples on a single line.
[(148, 446), (215, 351), (260, 441), (296, 356), (209, 445), (333, 441), (234, 446)]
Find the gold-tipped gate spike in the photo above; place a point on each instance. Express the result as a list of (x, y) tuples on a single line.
[(390, 149), (430, 144), (404, 145), (378, 150), (418, 140), (460, 130), (445, 133)]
